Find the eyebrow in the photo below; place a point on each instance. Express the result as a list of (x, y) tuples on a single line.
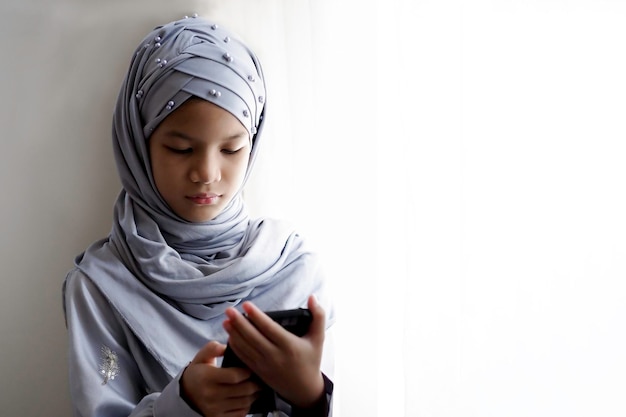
[(184, 136)]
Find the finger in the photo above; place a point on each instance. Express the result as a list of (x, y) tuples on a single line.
[(229, 398), (245, 389), (252, 347), (317, 330), (273, 331), (208, 353), (228, 406), (241, 412), (227, 378), (240, 403), (241, 329)]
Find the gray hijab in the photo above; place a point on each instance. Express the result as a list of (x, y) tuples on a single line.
[(156, 264)]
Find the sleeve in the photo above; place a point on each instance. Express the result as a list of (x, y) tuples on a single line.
[(325, 406), (105, 380), (328, 370), (322, 408)]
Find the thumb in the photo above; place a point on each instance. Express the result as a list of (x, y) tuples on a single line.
[(317, 329), (209, 352)]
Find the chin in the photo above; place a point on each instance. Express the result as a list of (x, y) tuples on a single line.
[(202, 217), (200, 214)]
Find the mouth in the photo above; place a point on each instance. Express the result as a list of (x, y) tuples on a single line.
[(204, 198)]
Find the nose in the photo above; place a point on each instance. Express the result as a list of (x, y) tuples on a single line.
[(205, 169)]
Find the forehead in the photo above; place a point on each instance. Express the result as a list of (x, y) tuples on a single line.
[(198, 117)]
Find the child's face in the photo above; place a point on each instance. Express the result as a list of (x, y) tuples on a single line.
[(199, 155)]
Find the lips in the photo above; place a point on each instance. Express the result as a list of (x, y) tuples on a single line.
[(204, 198)]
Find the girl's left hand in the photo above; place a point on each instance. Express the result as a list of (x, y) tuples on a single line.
[(287, 363)]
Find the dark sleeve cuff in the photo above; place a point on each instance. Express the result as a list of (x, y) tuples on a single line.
[(319, 409)]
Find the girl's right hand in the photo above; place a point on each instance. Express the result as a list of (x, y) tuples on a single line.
[(217, 392)]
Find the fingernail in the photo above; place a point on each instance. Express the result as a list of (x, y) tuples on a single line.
[(248, 306)]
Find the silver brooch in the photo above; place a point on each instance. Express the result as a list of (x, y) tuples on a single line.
[(109, 367)]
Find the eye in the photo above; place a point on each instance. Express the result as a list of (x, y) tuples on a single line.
[(179, 151), (231, 151)]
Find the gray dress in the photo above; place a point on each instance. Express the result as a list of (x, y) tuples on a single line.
[(113, 373)]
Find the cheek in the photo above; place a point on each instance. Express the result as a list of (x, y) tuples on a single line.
[(241, 169), (155, 163), (164, 173)]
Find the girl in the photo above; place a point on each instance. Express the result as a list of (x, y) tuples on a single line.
[(150, 308)]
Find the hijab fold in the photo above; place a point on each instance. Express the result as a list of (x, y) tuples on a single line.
[(156, 264)]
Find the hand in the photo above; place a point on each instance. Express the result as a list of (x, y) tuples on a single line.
[(287, 363), (217, 392)]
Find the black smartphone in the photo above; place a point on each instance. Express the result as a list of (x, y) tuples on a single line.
[(296, 321)]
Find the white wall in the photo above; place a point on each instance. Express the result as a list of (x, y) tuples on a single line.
[(62, 65)]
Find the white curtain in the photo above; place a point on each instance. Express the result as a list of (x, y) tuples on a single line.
[(461, 167)]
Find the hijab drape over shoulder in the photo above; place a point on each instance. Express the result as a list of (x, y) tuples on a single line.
[(156, 264)]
